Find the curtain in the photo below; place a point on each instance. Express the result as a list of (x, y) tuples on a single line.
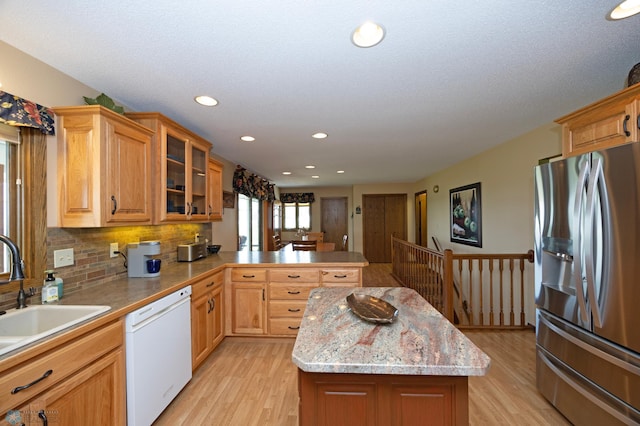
[(297, 197), (17, 111), (251, 185)]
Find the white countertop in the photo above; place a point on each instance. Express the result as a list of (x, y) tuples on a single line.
[(420, 341)]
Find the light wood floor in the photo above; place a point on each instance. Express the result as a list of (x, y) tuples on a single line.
[(252, 381)]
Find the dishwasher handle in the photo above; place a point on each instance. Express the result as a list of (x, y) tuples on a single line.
[(132, 328)]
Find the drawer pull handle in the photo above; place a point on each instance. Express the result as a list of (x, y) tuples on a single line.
[(294, 328), (339, 276), (211, 283), (293, 276), (294, 310), (21, 388), (43, 416), (624, 126), (248, 276), (293, 292)]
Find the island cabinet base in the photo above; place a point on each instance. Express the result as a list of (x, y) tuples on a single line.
[(334, 399)]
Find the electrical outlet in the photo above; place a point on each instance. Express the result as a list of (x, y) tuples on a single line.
[(62, 258), (113, 248)]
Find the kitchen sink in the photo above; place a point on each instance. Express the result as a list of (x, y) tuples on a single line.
[(19, 327)]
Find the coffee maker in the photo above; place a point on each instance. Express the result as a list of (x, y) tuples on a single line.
[(141, 261)]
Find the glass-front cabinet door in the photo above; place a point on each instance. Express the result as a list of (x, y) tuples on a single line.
[(197, 208), (184, 171)]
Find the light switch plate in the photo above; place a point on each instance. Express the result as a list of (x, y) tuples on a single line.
[(62, 257)]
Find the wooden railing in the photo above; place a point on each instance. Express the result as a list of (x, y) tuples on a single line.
[(471, 290)]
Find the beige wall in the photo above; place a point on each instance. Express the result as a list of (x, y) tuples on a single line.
[(506, 175)]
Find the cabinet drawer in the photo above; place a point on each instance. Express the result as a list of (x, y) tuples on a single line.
[(61, 362), (248, 274), (284, 326), (299, 275), (285, 291), (341, 276), (288, 309), (207, 284)]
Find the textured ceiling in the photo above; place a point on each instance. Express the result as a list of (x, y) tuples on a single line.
[(446, 83)]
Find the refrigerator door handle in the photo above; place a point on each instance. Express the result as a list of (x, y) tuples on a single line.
[(597, 181), (577, 241)]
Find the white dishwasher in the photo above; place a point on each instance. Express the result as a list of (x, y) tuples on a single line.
[(158, 355)]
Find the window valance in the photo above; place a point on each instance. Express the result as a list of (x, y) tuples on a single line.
[(297, 197), (251, 185), (17, 111)]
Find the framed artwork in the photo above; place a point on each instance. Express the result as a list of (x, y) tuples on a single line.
[(228, 200), (465, 210)]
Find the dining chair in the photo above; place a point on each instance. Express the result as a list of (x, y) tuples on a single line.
[(318, 236), (306, 245), (345, 240), (277, 242)]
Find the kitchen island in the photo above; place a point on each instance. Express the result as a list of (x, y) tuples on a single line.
[(413, 371)]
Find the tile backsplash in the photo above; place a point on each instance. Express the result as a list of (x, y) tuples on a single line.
[(92, 264)]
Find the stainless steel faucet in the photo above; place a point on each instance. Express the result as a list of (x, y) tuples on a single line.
[(17, 273)]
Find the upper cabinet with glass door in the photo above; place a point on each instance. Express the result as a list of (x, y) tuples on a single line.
[(180, 170)]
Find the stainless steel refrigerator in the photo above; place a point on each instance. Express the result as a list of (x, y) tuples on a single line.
[(587, 285)]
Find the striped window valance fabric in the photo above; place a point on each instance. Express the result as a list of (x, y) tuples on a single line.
[(16, 111), (297, 197)]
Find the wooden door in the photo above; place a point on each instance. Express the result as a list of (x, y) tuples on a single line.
[(334, 220), (422, 238), (383, 215)]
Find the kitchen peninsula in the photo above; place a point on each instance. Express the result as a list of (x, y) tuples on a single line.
[(86, 361), (411, 371)]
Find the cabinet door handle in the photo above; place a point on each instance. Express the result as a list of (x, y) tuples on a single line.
[(293, 328), (263, 294), (294, 310), (21, 388), (293, 292), (43, 416), (639, 121), (213, 304), (624, 126), (293, 276), (188, 209), (115, 204)]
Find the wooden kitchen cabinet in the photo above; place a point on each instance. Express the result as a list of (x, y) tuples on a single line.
[(371, 399), (180, 170), (249, 301), (215, 190), (80, 382), (288, 293), (104, 168), (341, 277), (612, 121), (207, 317)]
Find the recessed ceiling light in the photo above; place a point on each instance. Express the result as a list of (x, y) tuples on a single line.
[(309, 167), (286, 173), (315, 177), (340, 171), (367, 35), (625, 9), (247, 138), (319, 135), (206, 100)]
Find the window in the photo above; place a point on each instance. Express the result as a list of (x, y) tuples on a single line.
[(249, 223), (9, 145), (297, 216)]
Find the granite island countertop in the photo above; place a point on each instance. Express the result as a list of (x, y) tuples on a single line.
[(421, 341)]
